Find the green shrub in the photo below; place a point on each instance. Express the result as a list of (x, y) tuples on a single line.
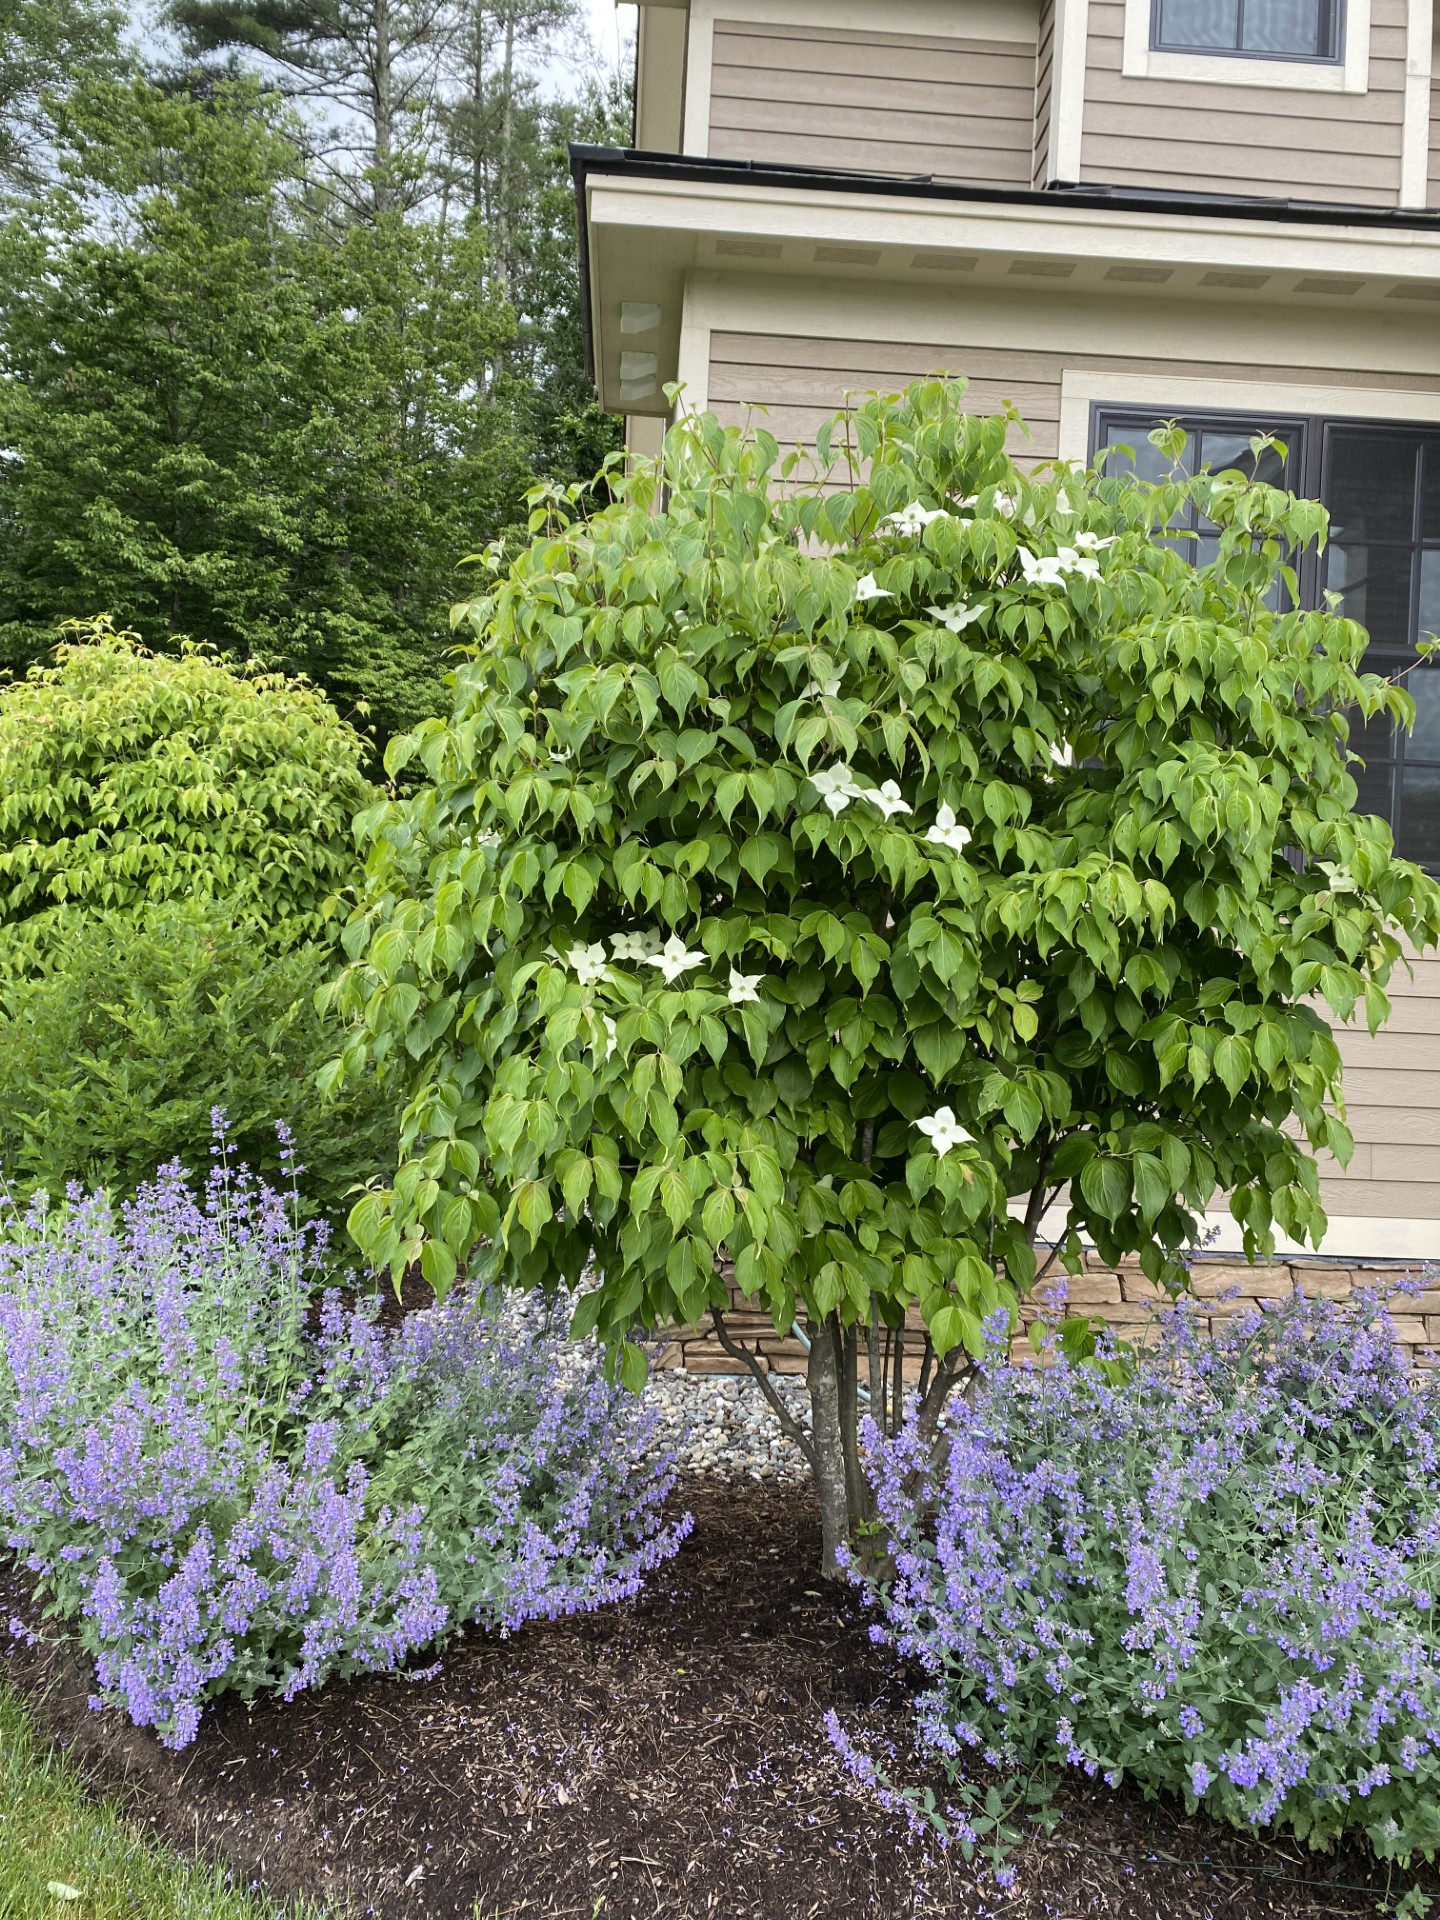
[(129, 778), (112, 1057)]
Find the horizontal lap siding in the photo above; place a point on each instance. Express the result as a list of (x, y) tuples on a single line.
[(1044, 88), (874, 103), (1392, 1096), (1432, 198), (1277, 141)]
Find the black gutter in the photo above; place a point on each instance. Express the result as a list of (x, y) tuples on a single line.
[(630, 164)]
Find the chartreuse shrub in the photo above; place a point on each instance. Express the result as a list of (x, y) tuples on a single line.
[(170, 830), (129, 778), (113, 1056), (228, 1479), (1215, 1574), (830, 875)]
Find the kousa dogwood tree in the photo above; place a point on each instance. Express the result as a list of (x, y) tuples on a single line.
[(830, 868)]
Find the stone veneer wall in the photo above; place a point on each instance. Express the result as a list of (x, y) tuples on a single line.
[(1127, 1300)]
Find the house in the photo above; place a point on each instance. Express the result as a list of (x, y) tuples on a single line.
[(1107, 212)]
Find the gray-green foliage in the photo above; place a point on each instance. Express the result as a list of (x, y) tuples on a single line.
[(1117, 861), (113, 1057)]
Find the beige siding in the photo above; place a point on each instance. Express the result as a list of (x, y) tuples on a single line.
[(1432, 198), (1220, 139), (801, 381), (874, 103), (1392, 1093), (1044, 88)]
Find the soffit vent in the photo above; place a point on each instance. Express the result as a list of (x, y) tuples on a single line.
[(945, 262), (1327, 283), (849, 256), (1408, 290), (1249, 281), (1134, 270), (751, 249), (1043, 269)]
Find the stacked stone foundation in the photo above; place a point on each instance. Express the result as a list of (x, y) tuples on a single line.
[(1121, 1296)]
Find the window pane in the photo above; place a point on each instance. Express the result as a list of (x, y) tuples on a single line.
[(1419, 834), (1372, 486), (1374, 585), (1430, 497), (1199, 23), (1429, 594), (1423, 686), (1218, 451), (1296, 27), (1143, 460), (1375, 788)]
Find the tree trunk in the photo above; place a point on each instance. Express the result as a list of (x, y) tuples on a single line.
[(382, 93), (823, 1377)]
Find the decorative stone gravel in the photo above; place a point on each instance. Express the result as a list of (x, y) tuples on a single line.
[(723, 1425)]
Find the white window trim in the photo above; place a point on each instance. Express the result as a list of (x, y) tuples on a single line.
[(1081, 389), (1352, 75)]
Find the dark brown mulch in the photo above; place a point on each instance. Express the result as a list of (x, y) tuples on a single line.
[(660, 1758)]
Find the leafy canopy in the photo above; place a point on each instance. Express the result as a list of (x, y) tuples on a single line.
[(1078, 936), (129, 778)]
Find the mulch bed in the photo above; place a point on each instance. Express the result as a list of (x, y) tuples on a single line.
[(660, 1758)]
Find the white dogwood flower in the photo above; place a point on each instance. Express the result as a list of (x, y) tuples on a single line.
[(829, 688), (744, 987), (944, 1130), (1004, 503), (948, 832), (914, 518), (957, 618), (1062, 753), (604, 1053), (888, 798), (836, 786), (867, 587), (1046, 571), (588, 962), (675, 958), (634, 946), (1089, 542)]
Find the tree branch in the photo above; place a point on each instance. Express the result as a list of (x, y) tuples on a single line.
[(788, 1423)]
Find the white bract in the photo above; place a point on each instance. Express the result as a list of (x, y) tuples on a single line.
[(945, 1131), (744, 987), (957, 618), (1062, 753), (604, 1053), (867, 587), (1092, 543), (888, 798), (829, 688), (914, 518), (634, 946), (836, 786), (675, 958), (948, 832), (1004, 504), (588, 962)]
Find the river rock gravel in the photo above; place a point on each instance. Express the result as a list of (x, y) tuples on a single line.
[(721, 1424)]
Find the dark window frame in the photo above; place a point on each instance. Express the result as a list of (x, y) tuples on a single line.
[(1311, 468), (1335, 58)]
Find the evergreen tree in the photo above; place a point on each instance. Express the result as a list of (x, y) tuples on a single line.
[(221, 423)]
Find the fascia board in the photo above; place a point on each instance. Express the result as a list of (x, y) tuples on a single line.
[(699, 210)]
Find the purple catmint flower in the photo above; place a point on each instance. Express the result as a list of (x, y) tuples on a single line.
[(1213, 1573), (232, 1477)]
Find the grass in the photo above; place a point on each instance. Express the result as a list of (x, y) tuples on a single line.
[(63, 1854)]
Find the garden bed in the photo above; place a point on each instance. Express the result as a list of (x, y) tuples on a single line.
[(664, 1757)]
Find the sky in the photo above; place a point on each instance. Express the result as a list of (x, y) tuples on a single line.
[(611, 25)]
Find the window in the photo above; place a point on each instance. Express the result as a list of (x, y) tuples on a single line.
[(1382, 487), (1266, 29)]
